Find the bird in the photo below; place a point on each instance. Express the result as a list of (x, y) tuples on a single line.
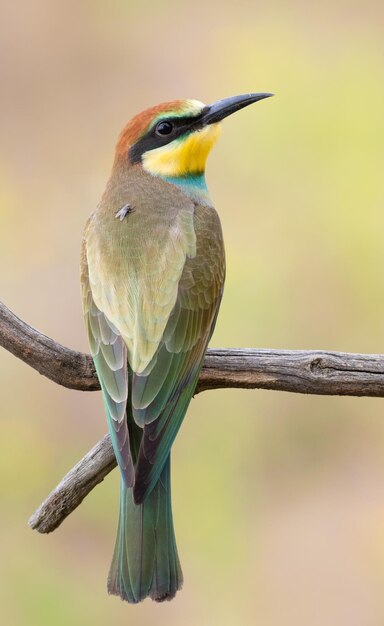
[(152, 278)]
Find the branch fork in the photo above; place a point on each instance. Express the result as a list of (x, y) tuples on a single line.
[(310, 372)]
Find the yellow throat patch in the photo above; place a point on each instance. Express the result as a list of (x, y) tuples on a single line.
[(184, 156)]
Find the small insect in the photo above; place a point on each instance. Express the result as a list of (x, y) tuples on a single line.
[(123, 212)]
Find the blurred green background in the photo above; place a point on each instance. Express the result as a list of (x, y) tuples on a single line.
[(278, 498)]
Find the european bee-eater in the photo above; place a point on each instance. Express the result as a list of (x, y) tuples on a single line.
[(152, 274)]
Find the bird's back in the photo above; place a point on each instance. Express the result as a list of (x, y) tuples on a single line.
[(157, 275)]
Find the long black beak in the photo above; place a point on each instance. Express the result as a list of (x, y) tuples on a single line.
[(222, 108)]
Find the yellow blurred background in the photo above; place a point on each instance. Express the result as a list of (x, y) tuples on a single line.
[(278, 498)]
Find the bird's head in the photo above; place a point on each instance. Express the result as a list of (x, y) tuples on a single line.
[(174, 139)]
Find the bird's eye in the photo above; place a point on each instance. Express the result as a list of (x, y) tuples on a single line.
[(164, 128)]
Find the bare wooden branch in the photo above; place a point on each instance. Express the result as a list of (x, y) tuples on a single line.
[(71, 491), (299, 371), (65, 367), (310, 372)]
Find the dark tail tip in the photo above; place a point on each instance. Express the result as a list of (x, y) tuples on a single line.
[(166, 597)]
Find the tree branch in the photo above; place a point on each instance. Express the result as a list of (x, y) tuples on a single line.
[(71, 491), (311, 372), (65, 367)]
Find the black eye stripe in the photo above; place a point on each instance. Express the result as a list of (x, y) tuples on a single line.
[(152, 139)]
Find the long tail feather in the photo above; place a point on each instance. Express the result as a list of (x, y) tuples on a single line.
[(145, 562)]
